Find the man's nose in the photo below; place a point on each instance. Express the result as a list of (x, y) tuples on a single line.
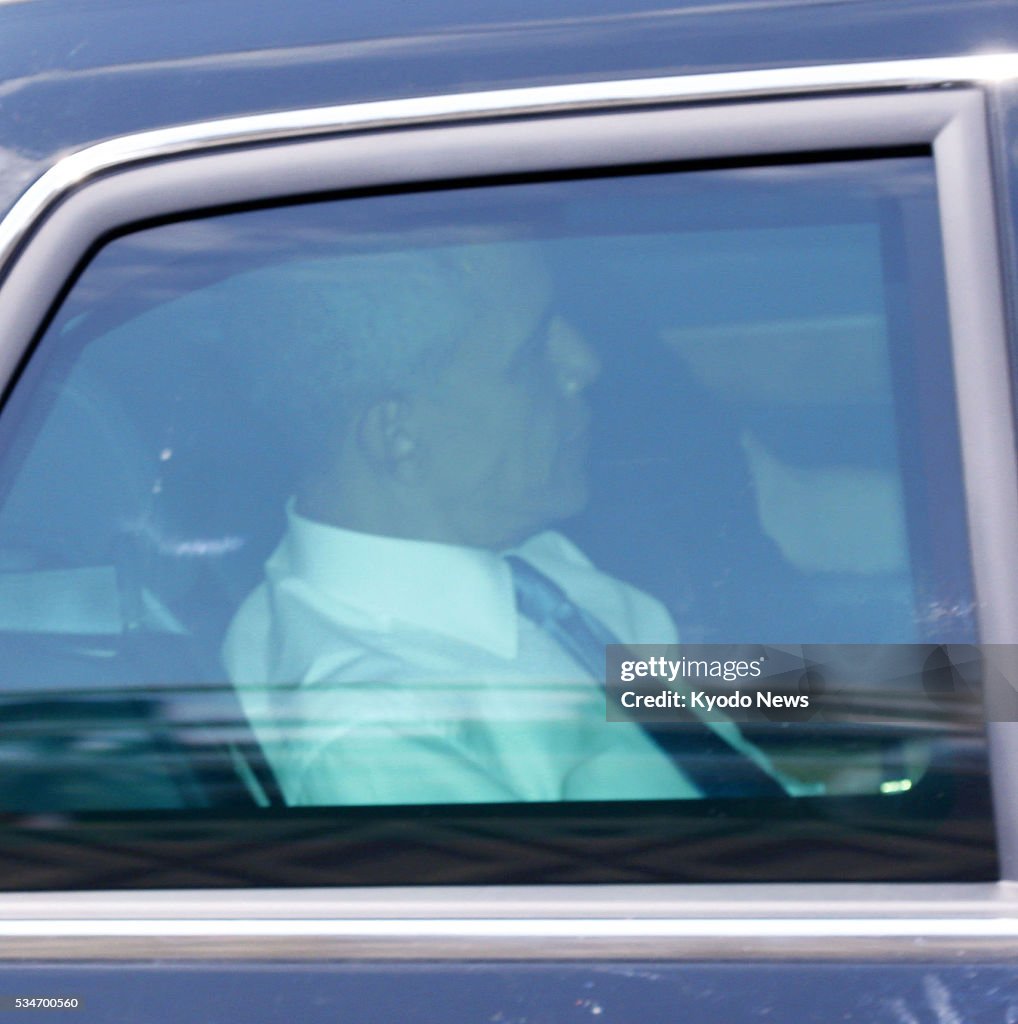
[(576, 363)]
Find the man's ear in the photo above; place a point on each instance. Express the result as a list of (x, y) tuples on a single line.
[(388, 439)]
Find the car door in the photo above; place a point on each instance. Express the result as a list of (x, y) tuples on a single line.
[(800, 440)]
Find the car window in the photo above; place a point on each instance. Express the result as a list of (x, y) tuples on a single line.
[(334, 506)]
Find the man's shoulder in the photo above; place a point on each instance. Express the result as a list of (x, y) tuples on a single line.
[(245, 650)]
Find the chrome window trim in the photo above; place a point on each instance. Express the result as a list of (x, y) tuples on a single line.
[(756, 922), (607, 936), (604, 921), (78, 166), (505, 928)]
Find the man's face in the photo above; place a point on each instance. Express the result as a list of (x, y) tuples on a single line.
[(505, 427)]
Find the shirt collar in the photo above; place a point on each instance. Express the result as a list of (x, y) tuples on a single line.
[(460, 592)]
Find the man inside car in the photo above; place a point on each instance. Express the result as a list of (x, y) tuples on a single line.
[(423, 635)]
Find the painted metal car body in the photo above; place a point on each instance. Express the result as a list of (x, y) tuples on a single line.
[(89, 74)]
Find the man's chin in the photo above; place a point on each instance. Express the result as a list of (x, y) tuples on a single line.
[(571, 499), (558, 502)]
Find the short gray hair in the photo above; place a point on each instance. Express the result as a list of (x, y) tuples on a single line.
[(322, 340)]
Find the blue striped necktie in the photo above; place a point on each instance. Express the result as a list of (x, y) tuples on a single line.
[(717, 768), (545, 603)]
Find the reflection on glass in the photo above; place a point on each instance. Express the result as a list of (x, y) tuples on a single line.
[(398, 468)]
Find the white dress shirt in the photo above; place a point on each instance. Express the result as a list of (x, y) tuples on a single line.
[(376, 670)]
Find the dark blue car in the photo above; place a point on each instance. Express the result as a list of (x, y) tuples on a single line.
[(508, 513)]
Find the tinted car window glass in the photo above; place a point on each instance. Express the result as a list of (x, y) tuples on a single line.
[(337, 503)]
